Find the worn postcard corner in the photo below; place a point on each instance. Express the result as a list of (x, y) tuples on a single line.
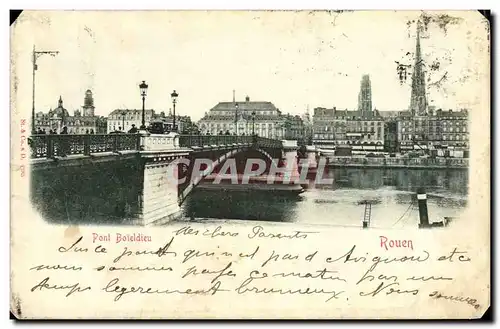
[(250, 165)]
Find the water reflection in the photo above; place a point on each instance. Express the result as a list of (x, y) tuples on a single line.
[(451, 181), (250, 205), (391, 191)]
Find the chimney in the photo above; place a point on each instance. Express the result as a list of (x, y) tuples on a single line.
[(247, 99)]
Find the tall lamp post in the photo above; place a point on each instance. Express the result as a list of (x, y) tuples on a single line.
[(144, 90), (35, 55), (123, 120), (236, 106), (253, 123), (174, 96)]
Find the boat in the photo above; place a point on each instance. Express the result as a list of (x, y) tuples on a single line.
[(255, 184)]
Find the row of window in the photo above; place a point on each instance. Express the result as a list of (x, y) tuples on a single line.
[(366, 123), (351, 129), (435, 123), (262, 133), (127, 123), (336, 136), (329, 116), (439, 137), (451, 129), (227, 126), (231, 112), (127, 117), (71, 123)]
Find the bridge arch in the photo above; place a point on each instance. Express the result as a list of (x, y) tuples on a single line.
[(194, 181)]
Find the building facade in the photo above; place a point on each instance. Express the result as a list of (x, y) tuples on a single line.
[(295, 128), (362, 130), (440, 129), (59, 117), (237, 118), (123, 119)]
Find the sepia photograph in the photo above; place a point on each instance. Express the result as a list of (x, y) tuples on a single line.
[(135, 129), (400, 160)]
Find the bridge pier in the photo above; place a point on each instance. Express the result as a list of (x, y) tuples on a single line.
[(290, 159), (158, 198)]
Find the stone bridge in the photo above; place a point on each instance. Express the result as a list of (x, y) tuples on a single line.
[(127, 178)]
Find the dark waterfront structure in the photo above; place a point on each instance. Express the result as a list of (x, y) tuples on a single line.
[(391, 143)]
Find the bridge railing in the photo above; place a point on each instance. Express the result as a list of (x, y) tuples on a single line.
[(269, 142), (218, 140), (48, 146), (207, 140)]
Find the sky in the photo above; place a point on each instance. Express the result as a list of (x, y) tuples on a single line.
[(294, 59)]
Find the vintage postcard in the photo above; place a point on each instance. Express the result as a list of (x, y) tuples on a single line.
[(250, 165)]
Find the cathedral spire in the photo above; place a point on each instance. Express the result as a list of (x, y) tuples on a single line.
[(418, 104)]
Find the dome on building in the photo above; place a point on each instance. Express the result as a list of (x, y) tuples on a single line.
[(59, 111)]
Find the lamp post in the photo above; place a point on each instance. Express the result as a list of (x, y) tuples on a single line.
[(236, 106), (123, 120), (253, 123), (35, 55), (174, 96), (144, 90)]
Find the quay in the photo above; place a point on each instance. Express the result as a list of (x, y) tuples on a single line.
[(388, 162)]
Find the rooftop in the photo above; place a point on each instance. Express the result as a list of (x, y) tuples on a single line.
[(130, 111), (244, 106)]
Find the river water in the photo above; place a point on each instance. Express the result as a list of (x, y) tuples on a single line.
[(390, 191)]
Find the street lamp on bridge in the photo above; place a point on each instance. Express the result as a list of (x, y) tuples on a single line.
[(144, 90), (174, 96), (123, 120), (236, 106), (253, 123)]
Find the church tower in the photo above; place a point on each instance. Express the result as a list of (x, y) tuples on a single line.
[(365, 96), (88, 104), (418, 104)]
